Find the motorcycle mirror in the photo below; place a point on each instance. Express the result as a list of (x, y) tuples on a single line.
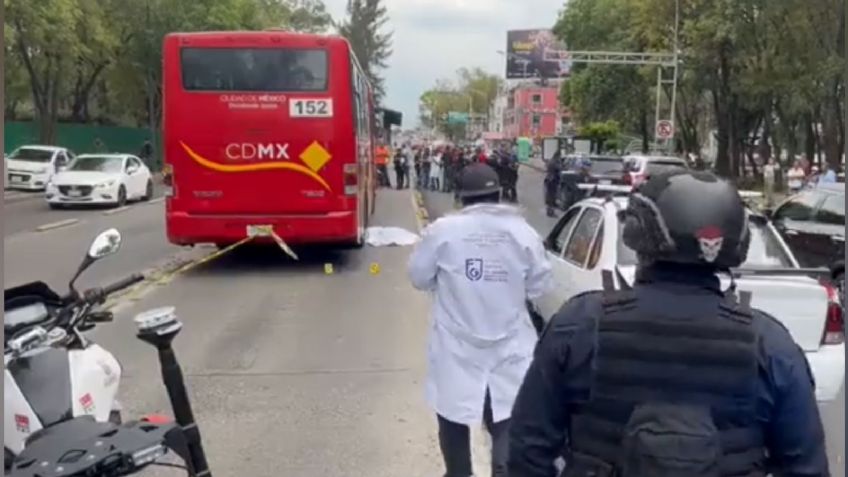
[(105, 244)]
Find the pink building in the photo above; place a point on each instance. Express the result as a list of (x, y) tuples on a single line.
[(533, 111)]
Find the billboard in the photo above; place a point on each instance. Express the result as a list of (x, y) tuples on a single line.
[(535, 54)]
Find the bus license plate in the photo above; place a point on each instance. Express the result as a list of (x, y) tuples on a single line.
[(260, 230)]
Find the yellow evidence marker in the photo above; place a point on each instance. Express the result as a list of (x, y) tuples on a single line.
[(375, 268), (328, 268)]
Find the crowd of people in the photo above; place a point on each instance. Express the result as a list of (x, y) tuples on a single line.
[(437, 167)]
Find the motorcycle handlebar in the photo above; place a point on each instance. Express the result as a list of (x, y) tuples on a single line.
[(125, 283)]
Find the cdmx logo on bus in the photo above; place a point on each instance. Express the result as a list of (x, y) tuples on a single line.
[(249, 151), (267, 156)]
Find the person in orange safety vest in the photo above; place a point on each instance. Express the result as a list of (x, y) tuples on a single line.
[(382, 160)]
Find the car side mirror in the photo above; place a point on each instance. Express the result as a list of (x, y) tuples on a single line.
[(769, 213), (132, 170)]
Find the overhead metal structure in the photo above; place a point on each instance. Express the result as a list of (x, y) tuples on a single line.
[(667, 65)]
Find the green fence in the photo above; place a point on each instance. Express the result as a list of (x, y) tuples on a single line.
[(80, 138)]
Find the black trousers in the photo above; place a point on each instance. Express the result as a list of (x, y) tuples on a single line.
[(455, 442), (383, 172), (400, 175)]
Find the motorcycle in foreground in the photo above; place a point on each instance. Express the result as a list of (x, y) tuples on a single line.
[(67, 438), (52, 371)]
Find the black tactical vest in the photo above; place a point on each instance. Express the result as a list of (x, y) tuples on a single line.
[(686, 359)]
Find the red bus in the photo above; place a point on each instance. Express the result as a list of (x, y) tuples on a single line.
[(267, 129)]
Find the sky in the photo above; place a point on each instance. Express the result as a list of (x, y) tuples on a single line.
[(434, 38)]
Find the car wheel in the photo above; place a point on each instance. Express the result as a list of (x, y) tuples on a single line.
[(115, 417), (122, 197), (148, 191)]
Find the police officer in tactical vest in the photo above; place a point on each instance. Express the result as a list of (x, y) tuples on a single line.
[(672, 377)]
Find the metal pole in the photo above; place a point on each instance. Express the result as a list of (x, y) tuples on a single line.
[(659, 96), (673, 114)]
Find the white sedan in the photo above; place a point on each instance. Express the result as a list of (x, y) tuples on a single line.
[(587, 240), (105, 179)]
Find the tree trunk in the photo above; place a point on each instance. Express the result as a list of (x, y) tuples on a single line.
[(646, 131), (722, 159), (831, 128), (764, 147), (11, 110), (82, 94), (810, 138), (724, 119)]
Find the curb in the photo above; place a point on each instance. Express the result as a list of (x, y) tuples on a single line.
[(421, 214), (56, 225)]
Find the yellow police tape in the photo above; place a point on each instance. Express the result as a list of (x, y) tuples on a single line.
[(164, 278)]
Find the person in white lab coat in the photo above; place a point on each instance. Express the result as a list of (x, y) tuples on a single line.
[(481, 264)]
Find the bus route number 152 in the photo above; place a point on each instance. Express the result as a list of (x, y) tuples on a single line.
[(311, 108)]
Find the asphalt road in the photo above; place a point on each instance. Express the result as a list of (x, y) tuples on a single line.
[(26, 211), (531, 200), (292, 371)]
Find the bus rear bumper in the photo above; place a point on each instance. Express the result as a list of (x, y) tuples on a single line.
[(328, 228)]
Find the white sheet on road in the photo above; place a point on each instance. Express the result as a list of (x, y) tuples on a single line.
[(383, 236)]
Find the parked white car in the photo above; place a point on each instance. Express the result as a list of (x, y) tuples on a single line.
[(587, 239), (32, 167), (110, 179)]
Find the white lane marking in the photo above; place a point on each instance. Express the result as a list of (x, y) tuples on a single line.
[(56, 225), (118, 210), (156, 201)]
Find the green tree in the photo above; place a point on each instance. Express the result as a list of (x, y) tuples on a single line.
[(363, 28), (598, 92), (472, 91), (104, 60), (46, 52), (600, 133), (762, 73)]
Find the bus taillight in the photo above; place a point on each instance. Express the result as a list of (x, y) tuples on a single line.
[(351, 179)]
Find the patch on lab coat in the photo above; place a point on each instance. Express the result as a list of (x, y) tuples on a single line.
[(474, 269)]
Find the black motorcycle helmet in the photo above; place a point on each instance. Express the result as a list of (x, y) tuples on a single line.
[(478, 182), (687, 217)]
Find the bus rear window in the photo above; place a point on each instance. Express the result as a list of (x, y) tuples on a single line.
[(254, 69)]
